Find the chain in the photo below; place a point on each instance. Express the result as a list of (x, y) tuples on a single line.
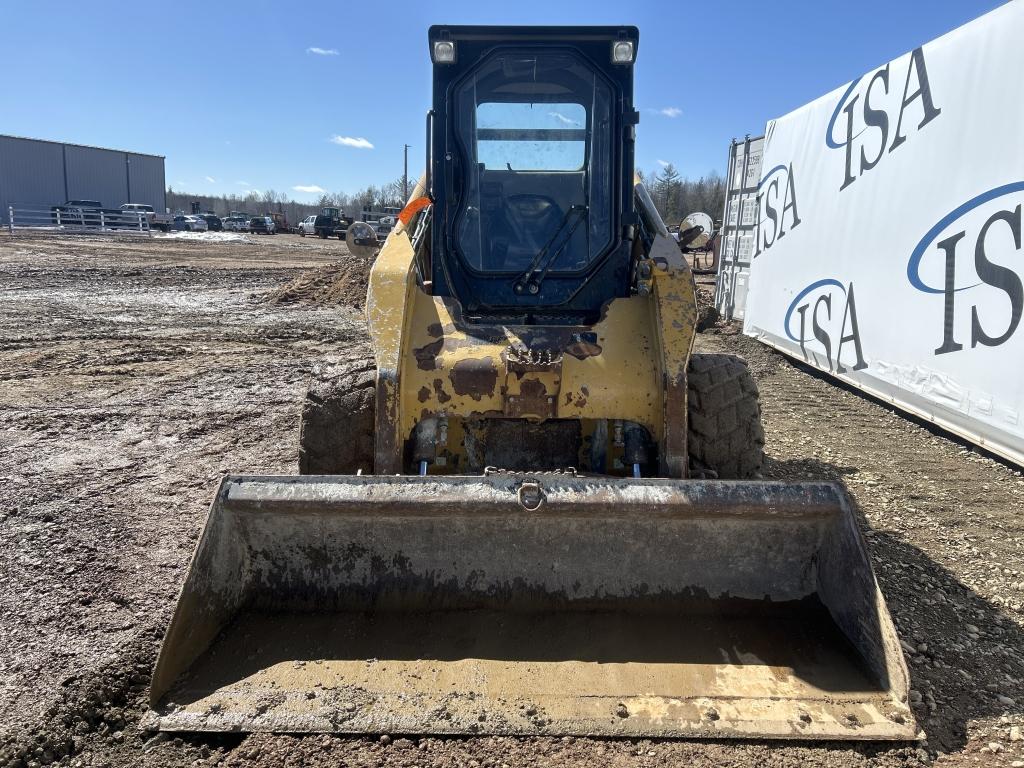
[(570, 471)]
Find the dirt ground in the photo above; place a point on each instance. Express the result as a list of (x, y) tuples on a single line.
[(133, 374)]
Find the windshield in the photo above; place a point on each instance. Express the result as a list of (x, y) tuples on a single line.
[(534, 130)]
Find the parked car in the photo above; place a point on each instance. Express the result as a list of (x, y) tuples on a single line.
[(81, 213), (213, 223), (236, 224), (161, 221), (307, 226), (262, 225), (189, 223)]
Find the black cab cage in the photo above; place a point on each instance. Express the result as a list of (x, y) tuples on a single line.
[(530, 167)]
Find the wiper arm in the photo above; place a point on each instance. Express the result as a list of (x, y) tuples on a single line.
[(531, 280)]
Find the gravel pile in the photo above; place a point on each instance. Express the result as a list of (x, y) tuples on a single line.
[(341, 283)]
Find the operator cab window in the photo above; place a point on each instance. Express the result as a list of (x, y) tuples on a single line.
[(533, 135)]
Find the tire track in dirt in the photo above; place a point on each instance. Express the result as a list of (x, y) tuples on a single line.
[(109, 462)]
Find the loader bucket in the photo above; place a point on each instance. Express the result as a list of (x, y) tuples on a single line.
[(551, 604)]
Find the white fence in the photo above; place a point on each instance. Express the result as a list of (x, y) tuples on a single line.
[(71, 220), (889, 242)]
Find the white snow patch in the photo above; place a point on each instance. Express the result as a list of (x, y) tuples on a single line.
[(208, 237)]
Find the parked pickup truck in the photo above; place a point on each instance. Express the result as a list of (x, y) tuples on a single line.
[(81, 213), (161, 221), (331, 222)]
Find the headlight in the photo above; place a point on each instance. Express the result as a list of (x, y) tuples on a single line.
[(622, 52), (444, 52)]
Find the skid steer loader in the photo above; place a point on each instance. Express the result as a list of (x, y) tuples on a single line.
[(534, 511)]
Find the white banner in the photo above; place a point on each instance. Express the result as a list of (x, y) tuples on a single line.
[(889, 242)]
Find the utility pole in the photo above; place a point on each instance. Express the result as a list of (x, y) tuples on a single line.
[(405, 177)]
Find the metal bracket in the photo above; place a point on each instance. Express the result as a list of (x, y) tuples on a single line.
[(530, 495)]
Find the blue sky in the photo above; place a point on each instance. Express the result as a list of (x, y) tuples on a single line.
[(286, 96)]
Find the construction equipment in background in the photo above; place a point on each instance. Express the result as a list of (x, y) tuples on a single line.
[(534, 511), (698, 239), (331, 222), (281, 225)]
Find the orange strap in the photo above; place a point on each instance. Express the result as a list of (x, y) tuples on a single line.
[(413, 208)]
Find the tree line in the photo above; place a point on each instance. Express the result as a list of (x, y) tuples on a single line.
[(674, 196)]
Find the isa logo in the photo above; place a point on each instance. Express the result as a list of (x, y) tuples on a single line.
[(873, 119), (776, 207), (822, 319), (972, 258)]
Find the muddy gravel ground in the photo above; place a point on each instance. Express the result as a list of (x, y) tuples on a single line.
[(133, 374)]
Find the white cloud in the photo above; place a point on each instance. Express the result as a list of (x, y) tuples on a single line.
[(211, 179), (349, 141), (309, 188), (669, 111), (664, 163), (180, 183), (242, 183), (563, 119), (323, 51)]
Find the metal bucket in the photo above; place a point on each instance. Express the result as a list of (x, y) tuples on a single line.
[(532, 605)]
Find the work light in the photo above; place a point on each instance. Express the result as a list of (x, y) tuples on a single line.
[(444, 52), (622, 51)]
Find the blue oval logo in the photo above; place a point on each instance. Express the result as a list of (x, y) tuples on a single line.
[(914, 265), (830, 142), (828, 281), (771, 173)]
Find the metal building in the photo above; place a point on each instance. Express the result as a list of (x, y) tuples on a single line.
[(39, 173)]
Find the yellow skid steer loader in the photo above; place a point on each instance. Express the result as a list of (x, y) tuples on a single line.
[(534, 511)]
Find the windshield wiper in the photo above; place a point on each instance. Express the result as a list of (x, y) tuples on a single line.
[(531, 280)]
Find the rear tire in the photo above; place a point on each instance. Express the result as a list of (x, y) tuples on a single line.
[(725, 434), (336, 435)]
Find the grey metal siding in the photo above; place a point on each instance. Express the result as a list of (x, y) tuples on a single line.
[(31, 173), (97, 174), (34, 172), (739, 226), (146, 177)]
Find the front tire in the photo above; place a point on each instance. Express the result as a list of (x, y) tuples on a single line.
[(725, 436), (336, 433)]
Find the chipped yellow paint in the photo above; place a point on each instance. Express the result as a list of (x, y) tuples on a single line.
[(675, 309), (621, 382), (429, 363), (391, 290)]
